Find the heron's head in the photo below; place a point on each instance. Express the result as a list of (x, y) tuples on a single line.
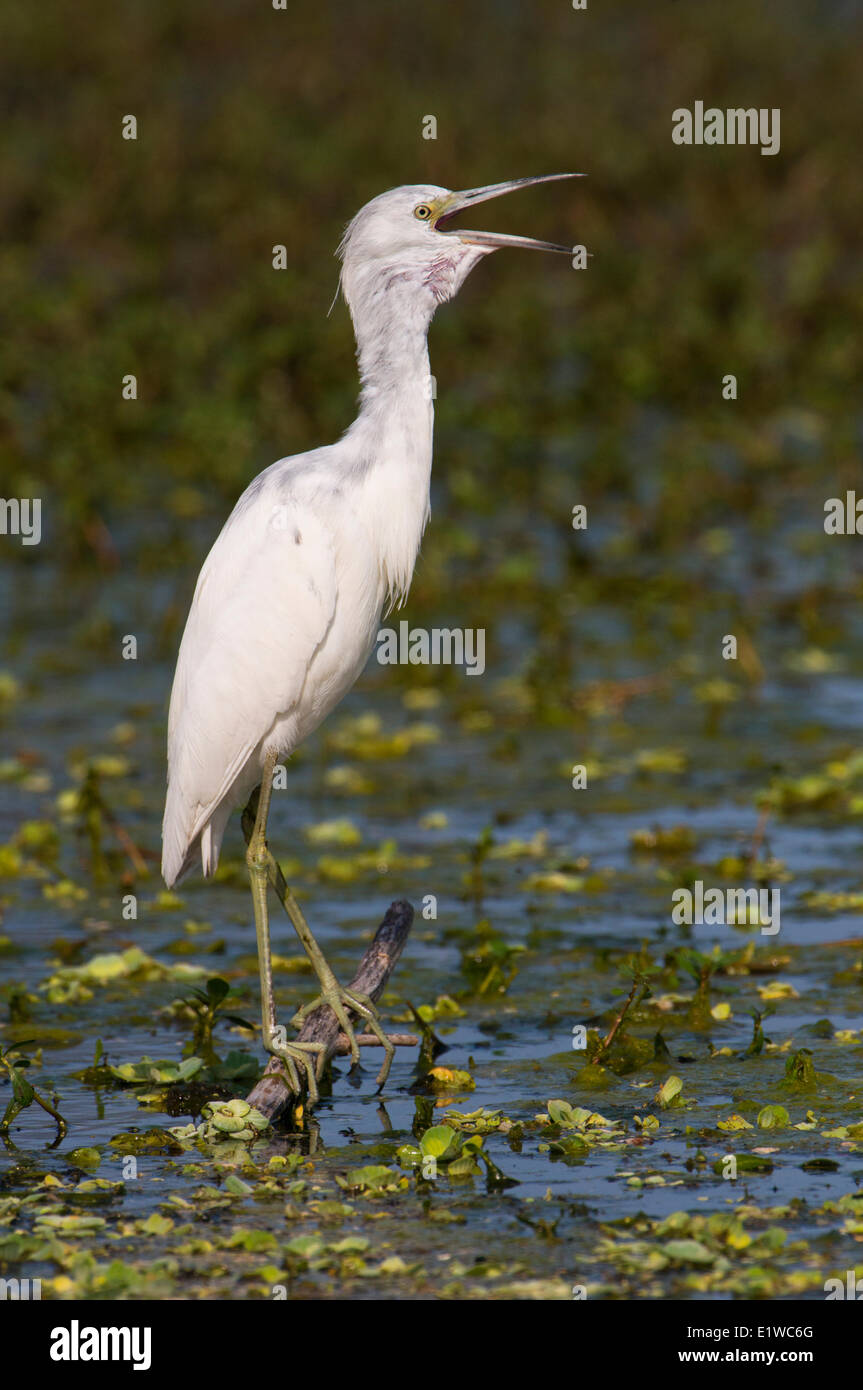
[(404, 239)]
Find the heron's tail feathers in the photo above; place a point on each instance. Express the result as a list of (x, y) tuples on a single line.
[(181, 849)]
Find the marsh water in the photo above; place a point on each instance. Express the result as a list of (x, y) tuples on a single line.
[(537, 897)]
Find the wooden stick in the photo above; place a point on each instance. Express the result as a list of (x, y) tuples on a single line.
[(342, 1045), (272, 1094)]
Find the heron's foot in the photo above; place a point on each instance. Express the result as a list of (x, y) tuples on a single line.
[(341, 1001), (301, 1059)]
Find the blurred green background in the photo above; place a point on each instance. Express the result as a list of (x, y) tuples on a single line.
[(259, 127)]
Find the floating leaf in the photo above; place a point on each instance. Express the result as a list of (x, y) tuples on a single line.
[(691, 1252), (669, 1091), (441, 1142), (773, 1117)]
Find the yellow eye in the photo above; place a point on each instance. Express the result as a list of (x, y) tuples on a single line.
[(423, 212)]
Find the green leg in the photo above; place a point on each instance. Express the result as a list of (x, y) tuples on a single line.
[(332, 994), (258, 859)]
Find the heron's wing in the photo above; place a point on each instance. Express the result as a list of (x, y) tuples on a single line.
[(263, 605)]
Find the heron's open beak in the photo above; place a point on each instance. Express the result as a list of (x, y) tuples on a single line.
[(457, 202)]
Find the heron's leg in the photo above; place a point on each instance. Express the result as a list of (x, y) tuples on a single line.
[(338, 999), (258, 859)]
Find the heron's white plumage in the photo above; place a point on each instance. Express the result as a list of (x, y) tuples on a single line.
[(282, 623), (288, 602)]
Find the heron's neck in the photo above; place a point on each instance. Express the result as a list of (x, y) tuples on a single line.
[(394, 427), (392, 353)]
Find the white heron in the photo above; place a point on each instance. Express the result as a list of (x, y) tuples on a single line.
[(289, 599)]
